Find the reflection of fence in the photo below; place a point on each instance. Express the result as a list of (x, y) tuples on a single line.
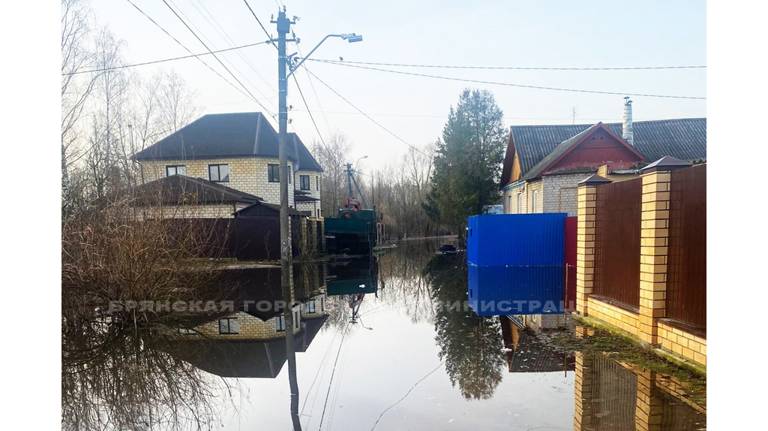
[(618, 396), (687, 256), (617, 241)]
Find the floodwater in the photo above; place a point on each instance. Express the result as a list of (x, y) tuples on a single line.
[(375, 348)]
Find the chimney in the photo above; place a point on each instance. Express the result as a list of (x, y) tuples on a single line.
[(626, 128)]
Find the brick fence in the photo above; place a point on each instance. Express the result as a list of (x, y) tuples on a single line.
[(650, 321)]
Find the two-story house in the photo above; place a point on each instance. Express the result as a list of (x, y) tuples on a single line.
[(236, 151)]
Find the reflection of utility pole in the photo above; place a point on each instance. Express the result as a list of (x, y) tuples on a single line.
[(286, 254)]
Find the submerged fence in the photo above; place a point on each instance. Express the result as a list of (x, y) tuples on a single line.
[(687, 251), (617, 241)]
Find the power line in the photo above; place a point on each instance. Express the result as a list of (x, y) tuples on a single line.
[(333, 372), (511, 84), (555, 68), (214, 22), (311, 117), (405, 395), (260, 24), (218, 59), (364, 114), (152, 20), (163, 60)]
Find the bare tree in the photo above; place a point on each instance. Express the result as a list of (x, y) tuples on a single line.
[(176, 106), (75, 88), (332, 157), (400, 193)]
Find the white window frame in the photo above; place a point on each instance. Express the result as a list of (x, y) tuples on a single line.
[(218, 172), (232, 326), (280, 323), (176, 169)]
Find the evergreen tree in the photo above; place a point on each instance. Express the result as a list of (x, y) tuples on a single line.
[(467, 160)]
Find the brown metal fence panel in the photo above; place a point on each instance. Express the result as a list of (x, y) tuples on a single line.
[(687, 250), (617, 241)]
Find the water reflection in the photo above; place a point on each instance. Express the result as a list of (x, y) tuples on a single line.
[(469, 344), (373, 346)]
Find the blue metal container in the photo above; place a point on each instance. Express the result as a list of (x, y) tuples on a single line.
[(516, 263)]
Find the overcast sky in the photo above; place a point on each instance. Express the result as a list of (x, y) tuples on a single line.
[(488, 33)]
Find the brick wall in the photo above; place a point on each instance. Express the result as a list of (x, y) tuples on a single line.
[(560, 193), (251, 328), (682, 343), (186, 211), (519, 200), (615, 316), (249, 175)]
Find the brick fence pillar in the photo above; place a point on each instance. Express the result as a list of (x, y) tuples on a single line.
[(585, 240), (654, 238)]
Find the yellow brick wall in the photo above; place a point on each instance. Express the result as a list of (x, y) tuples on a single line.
[(249, 175), (615, 316), (251, 328), (519, 200), (682, 343), (186, 211)]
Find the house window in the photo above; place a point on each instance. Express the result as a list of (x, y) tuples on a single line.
[(535, 201), (309, 307), (520, 203), (175, 170), (218, 173), (318, 212), (317, 182), (304, 182), (273, 173), (280, 324), (229, 326)]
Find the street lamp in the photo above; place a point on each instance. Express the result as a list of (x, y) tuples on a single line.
[(349, 37)]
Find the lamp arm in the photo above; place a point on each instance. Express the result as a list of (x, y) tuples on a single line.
[(294, 68)]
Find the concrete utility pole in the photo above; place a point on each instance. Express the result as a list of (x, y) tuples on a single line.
[(284, 62), (283, 28)]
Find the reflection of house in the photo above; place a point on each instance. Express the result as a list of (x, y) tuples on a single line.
[(544, 163), (526, 354), (239, 150), (249, 357), (250, 342)]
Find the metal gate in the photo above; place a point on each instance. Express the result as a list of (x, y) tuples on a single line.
[(617, 242)]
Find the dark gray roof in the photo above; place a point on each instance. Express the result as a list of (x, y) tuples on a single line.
[(216, 136), (684, 138), (306, 161), (184, 190)]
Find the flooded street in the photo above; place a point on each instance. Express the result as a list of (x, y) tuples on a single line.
[(375, 348)]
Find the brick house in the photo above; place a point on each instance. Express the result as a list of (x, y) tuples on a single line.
[(238, 151), (544, 163), (180, 196)]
